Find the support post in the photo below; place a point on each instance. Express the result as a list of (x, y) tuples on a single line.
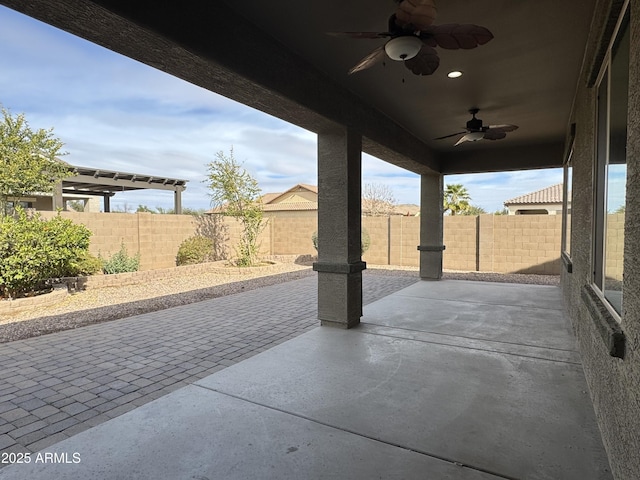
[(177, 201), (58, 201), (431, 226), (107, 203), (339, 264)]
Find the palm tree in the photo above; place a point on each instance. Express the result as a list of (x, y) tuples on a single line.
[(456, 198)]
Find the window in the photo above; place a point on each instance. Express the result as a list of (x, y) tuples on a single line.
[(611, 168), (567, 189)]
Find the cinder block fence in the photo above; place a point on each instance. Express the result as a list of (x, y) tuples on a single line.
[(492, 243)]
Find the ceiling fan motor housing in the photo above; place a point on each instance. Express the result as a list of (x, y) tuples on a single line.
[(474, 125)]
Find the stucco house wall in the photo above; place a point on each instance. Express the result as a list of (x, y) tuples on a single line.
[(614, 382)]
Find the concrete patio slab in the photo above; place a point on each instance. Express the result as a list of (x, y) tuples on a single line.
[(377, 401), (511, 321), (488, 293), (195, 433), (517, 417)]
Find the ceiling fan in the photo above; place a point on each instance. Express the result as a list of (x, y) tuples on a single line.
[(475, 131), (413, 38)]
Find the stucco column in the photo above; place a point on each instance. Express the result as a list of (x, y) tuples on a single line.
[(431, 232), (339, 265)]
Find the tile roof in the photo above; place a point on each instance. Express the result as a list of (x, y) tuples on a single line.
[(552, 194)]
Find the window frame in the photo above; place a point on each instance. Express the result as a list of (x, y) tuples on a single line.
[(567, 219), (602, 150)]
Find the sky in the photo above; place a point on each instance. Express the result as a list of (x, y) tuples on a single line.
[(114, 113)]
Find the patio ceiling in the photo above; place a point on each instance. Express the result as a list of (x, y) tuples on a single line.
[(275, 56)]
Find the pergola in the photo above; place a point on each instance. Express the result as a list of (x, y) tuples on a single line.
[(106, 183)]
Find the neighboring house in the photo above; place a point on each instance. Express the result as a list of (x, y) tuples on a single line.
[(45, 202), (547, 201), (302, 201), (299, 201)]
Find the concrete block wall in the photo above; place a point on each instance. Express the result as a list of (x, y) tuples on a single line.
[(292, 235), (378, 229), (527, 244), (614, 246), (110, 230), (155, 237), (160, 237), (460, 239), (506, 244)]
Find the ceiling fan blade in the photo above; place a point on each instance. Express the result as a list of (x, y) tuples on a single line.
[(494, 135), (365, 35), (502, 128), (465, 138), (415, 14), (452, 135), (454, 36), (374, 57), (425, 62)]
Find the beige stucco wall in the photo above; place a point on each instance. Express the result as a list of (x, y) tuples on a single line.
[(614, 383)]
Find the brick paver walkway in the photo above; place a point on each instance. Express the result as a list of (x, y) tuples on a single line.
[(55, 386)]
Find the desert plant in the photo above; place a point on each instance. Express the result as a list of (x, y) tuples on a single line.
[(120, 262), (196, 249), (235, 193), (33, 250), (365, 240), (86, 264)]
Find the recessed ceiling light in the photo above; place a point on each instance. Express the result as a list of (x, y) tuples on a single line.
[(454, 74)]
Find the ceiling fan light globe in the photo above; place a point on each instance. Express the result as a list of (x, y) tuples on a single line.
[(474, 136), (403, 48)]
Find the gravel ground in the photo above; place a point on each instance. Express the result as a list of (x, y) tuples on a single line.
[(111, 303)]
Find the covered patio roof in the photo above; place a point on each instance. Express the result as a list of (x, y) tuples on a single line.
[(277, 57)]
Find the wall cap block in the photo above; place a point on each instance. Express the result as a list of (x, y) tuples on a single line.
[(431, 248), (329, 267)]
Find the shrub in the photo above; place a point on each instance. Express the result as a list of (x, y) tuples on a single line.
[(33, 250), (86, 264), (364, 238), (120, 262), (196, 249)]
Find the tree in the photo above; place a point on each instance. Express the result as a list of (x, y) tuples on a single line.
[(144, 209), (75, 205), (377, 200), (473, 210), (504, 211), (28, 160), (235, 193), (456, 199)]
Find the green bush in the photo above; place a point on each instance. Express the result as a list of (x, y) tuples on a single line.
[(364, 238), (196, 249), (120, 262), (85, 265), (33, 250)]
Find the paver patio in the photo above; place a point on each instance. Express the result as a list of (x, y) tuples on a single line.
[(58, 385)]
